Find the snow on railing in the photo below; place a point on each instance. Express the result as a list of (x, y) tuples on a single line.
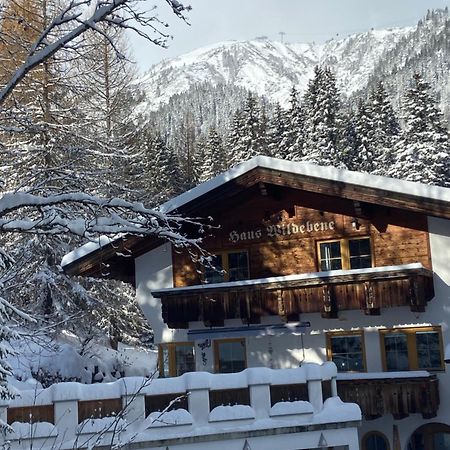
[(140, 409)]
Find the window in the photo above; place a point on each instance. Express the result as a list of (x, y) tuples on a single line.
[(175, 359), (346, 350), (345, 254), (230, 355), (412, 349), (431, 436), (374, 440), (230, 266)]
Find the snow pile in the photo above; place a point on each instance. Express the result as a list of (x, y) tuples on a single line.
[(174, 417), (103, 425), (231, 412), (36, 430), (49, 362), (335, 410), (287, 408)]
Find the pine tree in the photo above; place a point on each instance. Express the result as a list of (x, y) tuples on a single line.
[(364, 147), (234, 138), (385, 128), (184, 149), (293, 140), (278, 128), (322, 119), (164, 176), (211, 158), (246, 138), (422, 153)]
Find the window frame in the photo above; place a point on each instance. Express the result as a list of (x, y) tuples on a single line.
[(377, 433), (331, 334), (224, 254), (411, 346), (172, 358), (216, 344), (345, 250)]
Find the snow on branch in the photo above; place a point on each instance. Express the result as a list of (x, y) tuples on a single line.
[(79, 16), (86, 215)]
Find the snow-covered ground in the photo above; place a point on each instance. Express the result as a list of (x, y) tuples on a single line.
[(66, 360)]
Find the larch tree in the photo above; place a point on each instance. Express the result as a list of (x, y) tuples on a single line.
[(36, 38), (104, 76)]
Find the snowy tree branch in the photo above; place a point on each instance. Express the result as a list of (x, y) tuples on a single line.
[(77, 18), (27, 213)]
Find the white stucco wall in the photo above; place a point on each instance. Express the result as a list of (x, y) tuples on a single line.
[(154, 271)]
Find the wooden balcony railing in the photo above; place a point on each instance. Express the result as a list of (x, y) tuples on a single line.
[(399, 396), (370, 290)]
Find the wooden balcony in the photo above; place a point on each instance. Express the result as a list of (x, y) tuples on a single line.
[(370, 290), (412, 393)]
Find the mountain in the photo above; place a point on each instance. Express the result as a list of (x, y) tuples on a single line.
[(270, 69)]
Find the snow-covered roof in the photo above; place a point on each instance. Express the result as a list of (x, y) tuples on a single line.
[(328, 173), (85, 249), (315, 171)]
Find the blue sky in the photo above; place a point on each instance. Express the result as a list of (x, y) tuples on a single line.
[(302, 20)]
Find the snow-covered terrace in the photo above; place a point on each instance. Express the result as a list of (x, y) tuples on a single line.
[(297, 408)]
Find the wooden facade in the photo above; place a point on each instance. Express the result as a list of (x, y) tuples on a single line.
[(279, 229), (276, 233)]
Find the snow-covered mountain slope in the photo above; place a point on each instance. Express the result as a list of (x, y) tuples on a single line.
[(269, 68)]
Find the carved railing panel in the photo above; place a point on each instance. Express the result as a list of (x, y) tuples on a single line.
[(399, 397), (371, 292)]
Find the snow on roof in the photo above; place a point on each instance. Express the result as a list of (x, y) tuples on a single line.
[(85, 249), (300, 168), (295, 277), (311, 170)]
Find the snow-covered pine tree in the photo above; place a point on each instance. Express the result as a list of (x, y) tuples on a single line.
[(211, 157), (164, 178), (322, 122), (385, 128), (184, 148), (362, 154), (246, 138), (423, 152), (293, 139), (234, 138), (263, 130), (278, 127)]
